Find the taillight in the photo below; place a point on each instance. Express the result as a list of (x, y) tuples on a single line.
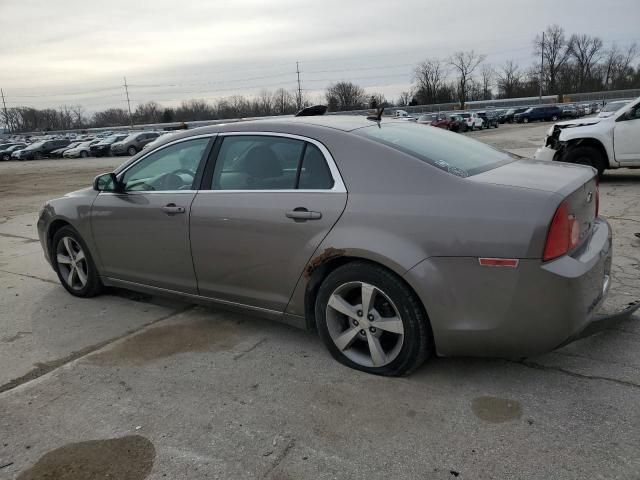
[(564, 233)]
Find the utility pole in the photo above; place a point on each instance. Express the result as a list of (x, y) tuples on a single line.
[(126, 89), (541, 66), (299, 99), (6, 115)]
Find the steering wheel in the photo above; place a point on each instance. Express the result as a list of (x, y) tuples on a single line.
[(173, 180)]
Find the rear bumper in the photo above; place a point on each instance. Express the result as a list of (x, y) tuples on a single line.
[(514, 312)]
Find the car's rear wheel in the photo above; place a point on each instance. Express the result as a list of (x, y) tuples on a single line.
[(132, 151), (554, 118), (73, 264), (586, 156), (370, 320), (84, 154)]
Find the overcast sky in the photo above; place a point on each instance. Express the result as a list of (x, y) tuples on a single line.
[(77, 51)]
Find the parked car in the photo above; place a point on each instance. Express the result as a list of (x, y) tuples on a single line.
[(472, 120), (5, 153), (538, 113), (508, 116), (569, 111), (378, 276), (439, 120), (458, 124), (612, 107), (133, 143), (41, 149), (602, 143), (103, 147), (489, 119), (403, 115), (83, 150), (58, 153)]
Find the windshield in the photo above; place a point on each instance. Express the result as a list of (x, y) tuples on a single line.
[(113, 139), (457, 155), (35, 145), (614, 106)]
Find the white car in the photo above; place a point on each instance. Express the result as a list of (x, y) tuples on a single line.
[(403, 115), (83, 150), (612, 107), (602, 143), (473, 120)]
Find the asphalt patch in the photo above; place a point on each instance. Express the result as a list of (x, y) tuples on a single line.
[(496, 410), (125, 458), (202, 335)]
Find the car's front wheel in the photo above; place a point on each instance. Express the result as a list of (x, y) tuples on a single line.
[(84, 154), (586, 156), (370, 320), (132, 151), (73, 264)]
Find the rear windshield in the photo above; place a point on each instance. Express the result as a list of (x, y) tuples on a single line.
[(456, 154)]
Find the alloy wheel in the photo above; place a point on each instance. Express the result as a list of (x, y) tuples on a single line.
[(72, 263), (364, 324)]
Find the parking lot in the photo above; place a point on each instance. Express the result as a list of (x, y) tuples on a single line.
[(132, 386)]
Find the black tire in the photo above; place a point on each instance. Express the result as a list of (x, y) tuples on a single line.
[(93, 284), (84, 154), (554, 118), (525, 120), (417, 343), (132, 150), (586, 156)]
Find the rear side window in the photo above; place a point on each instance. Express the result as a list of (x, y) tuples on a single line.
[(263, 162), (458, 155)]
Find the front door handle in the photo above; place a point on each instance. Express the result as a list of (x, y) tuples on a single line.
[(172, 209), (302, 214)]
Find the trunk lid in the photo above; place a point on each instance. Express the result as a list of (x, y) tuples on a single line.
[(576, 185)]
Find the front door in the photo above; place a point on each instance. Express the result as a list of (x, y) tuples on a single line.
[(626, 137), (272, 200), (142, 233)]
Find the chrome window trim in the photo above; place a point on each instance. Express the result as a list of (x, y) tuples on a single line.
[(338, 183)]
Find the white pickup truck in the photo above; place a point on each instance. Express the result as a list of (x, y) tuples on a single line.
[(603, 143)]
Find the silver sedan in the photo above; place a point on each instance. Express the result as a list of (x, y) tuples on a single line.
[(395, 241)]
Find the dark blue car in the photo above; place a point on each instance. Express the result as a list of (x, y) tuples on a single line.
[(538, 113)]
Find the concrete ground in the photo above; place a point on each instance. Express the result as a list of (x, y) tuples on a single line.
[(129, 386)]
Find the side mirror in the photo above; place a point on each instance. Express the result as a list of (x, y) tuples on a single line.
[(107, 182)]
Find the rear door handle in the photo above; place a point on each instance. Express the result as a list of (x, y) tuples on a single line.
[(302, 213), (172, 209)]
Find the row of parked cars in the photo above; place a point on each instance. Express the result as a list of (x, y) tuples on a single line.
[(457, 121), (106, 144)]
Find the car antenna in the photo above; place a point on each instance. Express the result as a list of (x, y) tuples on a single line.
[(312, 111), (378, 116)]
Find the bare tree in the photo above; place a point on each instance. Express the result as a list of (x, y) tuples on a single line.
[(345, 96), (465, 63), (509, 79), (554, 53), (404, 99), (429, 77), (283, 102), (585, 51), (486, 74)]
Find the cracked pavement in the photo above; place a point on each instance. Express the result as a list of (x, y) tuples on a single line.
[(135, 387)]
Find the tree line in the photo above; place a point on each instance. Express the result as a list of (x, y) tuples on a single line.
[(565, 64)]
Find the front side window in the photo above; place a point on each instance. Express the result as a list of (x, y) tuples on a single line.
[(263, 162), (170, 168)]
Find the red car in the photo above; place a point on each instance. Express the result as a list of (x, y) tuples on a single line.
[(440, 120)]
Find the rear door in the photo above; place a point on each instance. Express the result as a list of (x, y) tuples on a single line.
[(268, 202)]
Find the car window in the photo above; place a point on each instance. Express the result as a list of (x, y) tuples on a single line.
[(262, 162), (257, 162), (170, 168), (314, 172), (463, 157)]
